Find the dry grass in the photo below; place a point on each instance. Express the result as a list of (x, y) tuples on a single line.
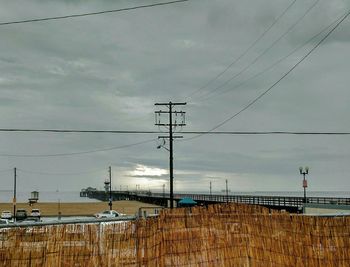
[(50, 209)]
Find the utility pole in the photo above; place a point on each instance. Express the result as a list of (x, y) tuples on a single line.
[(59, 209), (110, 188), (226, 192), (14, 194), (163, 190), (210, 188), (179, 115)]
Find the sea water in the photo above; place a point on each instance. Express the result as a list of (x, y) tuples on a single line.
[(45, 196)]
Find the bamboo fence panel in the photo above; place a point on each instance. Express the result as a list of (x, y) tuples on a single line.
[(218, 235)]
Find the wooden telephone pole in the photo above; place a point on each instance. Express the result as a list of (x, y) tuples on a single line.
[(171, 124)]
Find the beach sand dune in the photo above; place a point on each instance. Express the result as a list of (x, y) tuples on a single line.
[(87, 208)]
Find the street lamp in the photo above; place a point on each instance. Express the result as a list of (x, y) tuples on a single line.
[(14, 193), (110, 188), (304, 172)]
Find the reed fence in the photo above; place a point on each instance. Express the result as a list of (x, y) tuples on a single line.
[(218, 235)]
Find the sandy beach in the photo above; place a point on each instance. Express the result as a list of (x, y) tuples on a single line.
[(51, 209)]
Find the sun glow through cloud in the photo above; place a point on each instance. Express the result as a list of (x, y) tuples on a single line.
[(144, 171), (147, 178)]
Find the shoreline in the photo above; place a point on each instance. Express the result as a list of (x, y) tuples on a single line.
[(128, 207)]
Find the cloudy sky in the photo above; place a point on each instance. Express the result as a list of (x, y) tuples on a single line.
[(105, 72)]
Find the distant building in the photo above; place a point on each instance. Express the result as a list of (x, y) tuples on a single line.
[(85, 191)]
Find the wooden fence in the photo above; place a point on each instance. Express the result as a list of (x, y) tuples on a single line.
[(219, 235)]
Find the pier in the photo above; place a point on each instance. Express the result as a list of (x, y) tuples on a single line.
[(290, 204)]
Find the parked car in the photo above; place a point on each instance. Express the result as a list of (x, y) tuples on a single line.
[(108, 214), (6, 214), (35, 213), (4, 221), (30, 220), (21, 214)]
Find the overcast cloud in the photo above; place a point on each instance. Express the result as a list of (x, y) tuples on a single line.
[(106, 72)]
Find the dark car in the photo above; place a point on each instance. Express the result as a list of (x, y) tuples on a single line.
[(21, 214)]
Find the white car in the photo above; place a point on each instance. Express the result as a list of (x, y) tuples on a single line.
[(6, 215), (108, 214), (35, 213), (4, 221)]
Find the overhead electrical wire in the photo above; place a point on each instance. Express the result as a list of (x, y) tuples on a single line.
[(197, 133), (278, 61), (256, 59), (91, 13), (265, 133), (160, 132), (244, 52), (256, 99), (77, 153), (59, 173), (6, 170), (78, 131)]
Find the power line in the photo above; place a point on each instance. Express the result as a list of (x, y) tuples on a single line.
[(78, 131), (197, 133), (77, 153), (265, 133), (60, 173), (263, 53), (91, 13), (277, 82), (182, 132), (244, 53), (6, 170), (278, 61)]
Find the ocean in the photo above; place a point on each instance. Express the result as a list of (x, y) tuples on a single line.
[(45, 196)]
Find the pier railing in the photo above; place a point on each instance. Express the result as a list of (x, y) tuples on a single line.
[(280, 202), (256, 200)]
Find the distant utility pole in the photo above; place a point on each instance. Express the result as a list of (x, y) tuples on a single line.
[(59, 209), (176, 118), (14, 193), (110, 188), (210, 188), (226, 192)]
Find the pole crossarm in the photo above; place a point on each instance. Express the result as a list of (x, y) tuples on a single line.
[(174, 124), (167, 112), (171, 103), (167, 137)]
